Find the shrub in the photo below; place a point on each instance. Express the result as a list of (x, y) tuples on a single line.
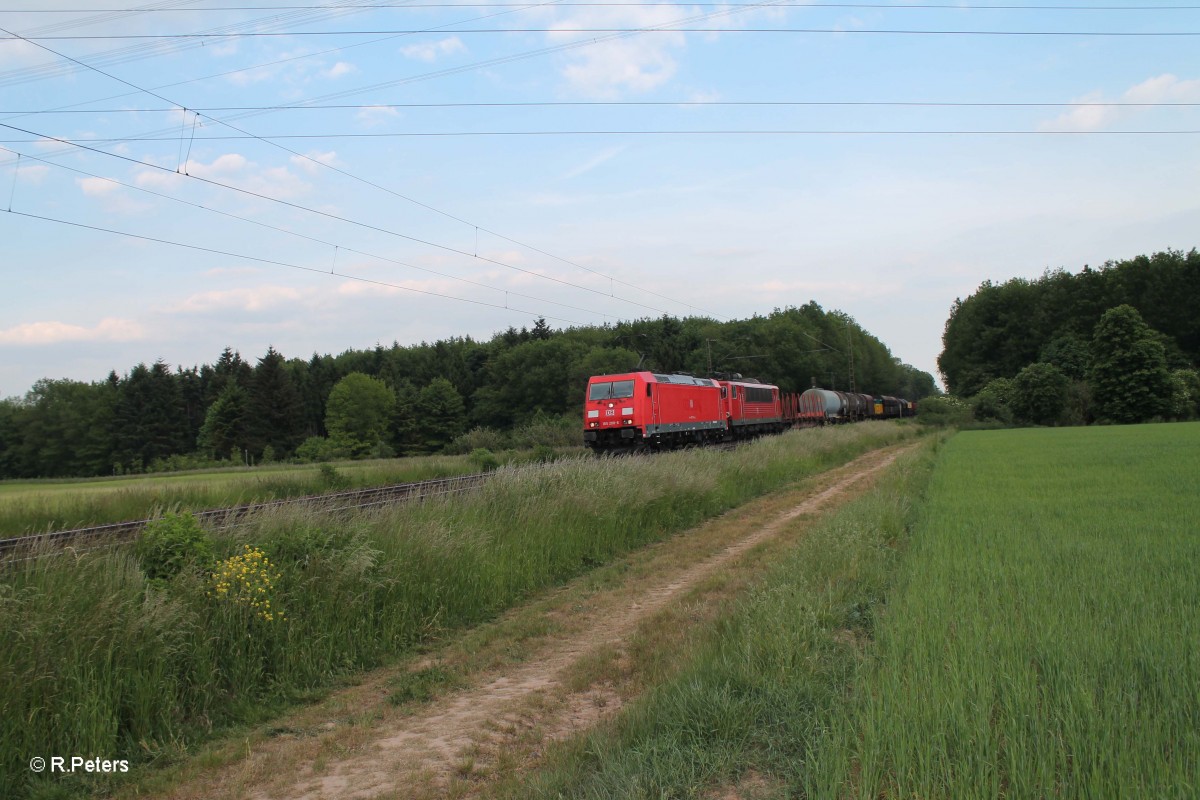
[(945, 410), (318, 448), (485, 460), (564, 431), (478, 438), (171, 543), (332, 478)]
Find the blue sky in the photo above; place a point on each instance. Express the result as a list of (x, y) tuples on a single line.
[(635, 179)]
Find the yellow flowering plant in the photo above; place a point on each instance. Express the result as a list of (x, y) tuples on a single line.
[(246, 580)]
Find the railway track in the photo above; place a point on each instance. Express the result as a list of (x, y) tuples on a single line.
[(223, 518), (35, 545)]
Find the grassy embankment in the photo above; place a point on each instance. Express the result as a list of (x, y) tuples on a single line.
[(98, 659), (32, 506), (1038, 640)]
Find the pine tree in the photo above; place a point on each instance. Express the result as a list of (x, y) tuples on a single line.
[(442, 413), (274, 409)]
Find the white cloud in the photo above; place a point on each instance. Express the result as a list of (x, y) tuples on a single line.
[(109, 329), (1164, 88), (306, 164), (228, 164), (97, 187), (32, 173), (236, 170), (256, 298), (431, 51), (373, 116), (339, 69), (636, 63)]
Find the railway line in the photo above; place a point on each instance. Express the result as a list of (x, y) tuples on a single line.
[(39, 544), (223, 518)]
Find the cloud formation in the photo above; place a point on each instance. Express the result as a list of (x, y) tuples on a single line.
[(1165, 88), (432, 51), (109, 329)]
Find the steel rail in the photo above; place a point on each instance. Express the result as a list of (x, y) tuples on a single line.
[(224, 518)]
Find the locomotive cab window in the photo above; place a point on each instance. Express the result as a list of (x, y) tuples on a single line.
[(611, 391)]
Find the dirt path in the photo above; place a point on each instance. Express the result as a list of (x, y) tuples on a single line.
[(442, 748)]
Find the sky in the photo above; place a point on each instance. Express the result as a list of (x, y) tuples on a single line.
[(190, 175)]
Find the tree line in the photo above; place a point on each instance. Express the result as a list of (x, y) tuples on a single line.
[(1116, 344), (409, 399)]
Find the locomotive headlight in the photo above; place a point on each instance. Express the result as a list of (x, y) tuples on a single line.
[(626, 422)]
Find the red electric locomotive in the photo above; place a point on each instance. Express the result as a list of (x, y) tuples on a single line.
[(753, 408), (639, 409)]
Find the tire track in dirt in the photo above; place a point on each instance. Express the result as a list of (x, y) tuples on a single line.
[(419, 755)]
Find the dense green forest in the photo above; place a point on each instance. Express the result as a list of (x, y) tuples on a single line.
[(417, 399), (1115, 344)]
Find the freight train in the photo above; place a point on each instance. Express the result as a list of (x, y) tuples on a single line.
[(638, 410)]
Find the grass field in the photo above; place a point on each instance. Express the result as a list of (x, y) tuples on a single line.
[(98, 658), (1024, 626), (1043, 642)]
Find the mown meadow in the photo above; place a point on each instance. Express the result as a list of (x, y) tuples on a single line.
[(138, 653), (1017, 619)]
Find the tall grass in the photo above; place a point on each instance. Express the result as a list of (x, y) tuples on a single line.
[(760, 692), (1043, 642), (98, 660)]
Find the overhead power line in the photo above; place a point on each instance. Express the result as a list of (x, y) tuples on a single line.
[(372, 6), (347, 220), (333, 245), (519, 56), (615, 103), (274, 262), (726, 132), (659, 29)]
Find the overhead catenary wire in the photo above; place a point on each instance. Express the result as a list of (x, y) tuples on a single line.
[(653, 29), (329, 215), (323, 165), (602, 4), (681, 132), (625, 103), (297, 234), (274, 262)]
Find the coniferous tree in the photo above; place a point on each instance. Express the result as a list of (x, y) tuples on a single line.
[(275, 412), (149, 417), (442, 414)]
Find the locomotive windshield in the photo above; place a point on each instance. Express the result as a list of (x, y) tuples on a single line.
[(610, 391)]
